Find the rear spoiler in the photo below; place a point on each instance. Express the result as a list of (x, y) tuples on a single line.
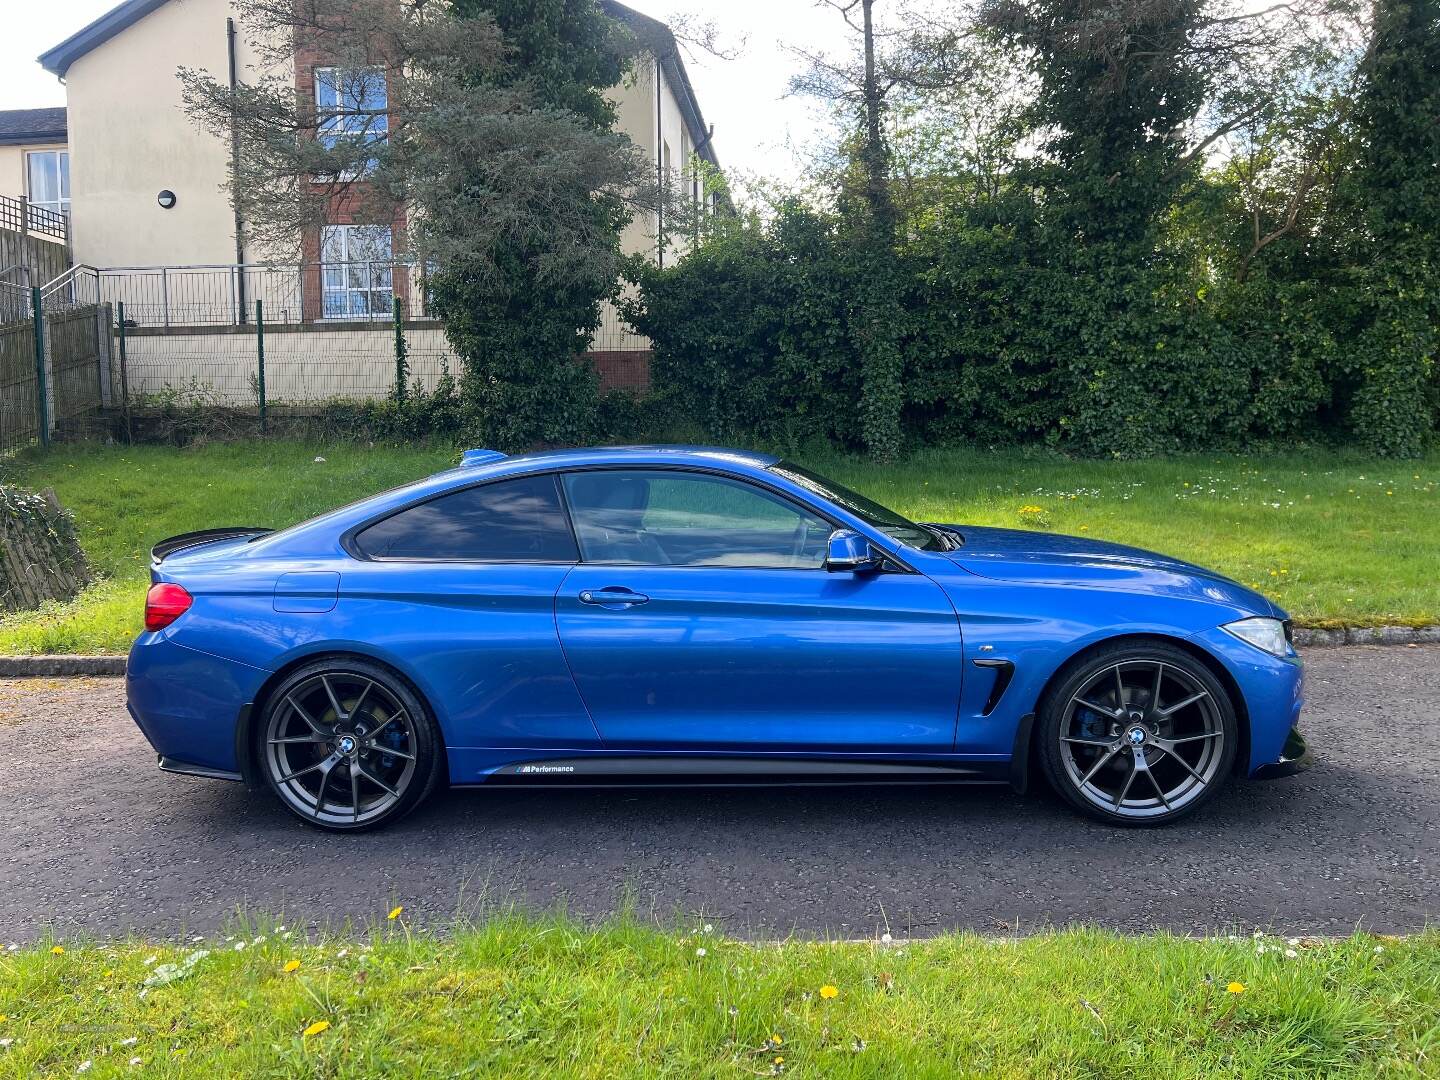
[(205, 536)]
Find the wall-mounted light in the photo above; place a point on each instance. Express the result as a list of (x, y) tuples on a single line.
[(166, 199)]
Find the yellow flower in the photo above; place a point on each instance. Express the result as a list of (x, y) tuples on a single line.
[(776, 1039), (394, 913), (292, 965), (827, 992), (316, 1028), (779, 1060), (57, 949), (1235, 988)]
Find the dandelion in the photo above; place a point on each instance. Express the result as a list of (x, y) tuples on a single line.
[(1291, 954), (1292, 941), (292, 965), (709, 928), (699, 952), (5, 1043), (136, 1061), (58, 950), (150, 960), (131, 1041), (1235, 988), (779, 1060), (239, 945), (85, 1066), (885, 939), (394, 913), (316, 1028), (1379, 949), (827, 992)]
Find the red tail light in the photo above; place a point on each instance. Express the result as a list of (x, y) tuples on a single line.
[(165, 603)]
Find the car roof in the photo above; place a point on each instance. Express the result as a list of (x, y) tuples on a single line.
[(654, 454)]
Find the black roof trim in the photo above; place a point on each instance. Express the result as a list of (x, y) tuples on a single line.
[(59, 59)]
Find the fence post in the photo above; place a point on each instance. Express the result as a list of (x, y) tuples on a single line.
[(124, 374), (42, 407), (260, 355), (400, 353), (103, 344)]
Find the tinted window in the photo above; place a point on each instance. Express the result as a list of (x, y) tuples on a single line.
[(510, 521), (664, 518)]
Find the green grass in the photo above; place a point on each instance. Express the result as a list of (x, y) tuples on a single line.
[(521, 997), (1338, 539)]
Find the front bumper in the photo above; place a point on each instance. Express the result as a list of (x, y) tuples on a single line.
[(1294, 758)]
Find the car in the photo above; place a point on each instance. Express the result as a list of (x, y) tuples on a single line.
[(692, 615)]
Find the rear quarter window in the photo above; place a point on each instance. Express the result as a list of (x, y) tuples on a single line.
[(520, 520)]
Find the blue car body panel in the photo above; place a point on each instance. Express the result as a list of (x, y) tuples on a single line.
[(768, 662)]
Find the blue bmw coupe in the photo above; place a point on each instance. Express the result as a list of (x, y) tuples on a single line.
[(686, 615)]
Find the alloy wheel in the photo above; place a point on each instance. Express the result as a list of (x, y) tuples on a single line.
[(341, 749), (1142, 738)]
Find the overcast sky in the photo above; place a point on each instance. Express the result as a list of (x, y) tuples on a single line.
[(756, 125)]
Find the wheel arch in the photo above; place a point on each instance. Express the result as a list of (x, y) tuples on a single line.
[(1027, 768), (251, 712)]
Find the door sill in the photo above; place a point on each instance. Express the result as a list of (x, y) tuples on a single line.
[(683, 770)]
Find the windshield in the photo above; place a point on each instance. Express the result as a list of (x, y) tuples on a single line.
[(867, 510)]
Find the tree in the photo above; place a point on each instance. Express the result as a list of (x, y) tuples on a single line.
[(1396, 192), (495, 149)]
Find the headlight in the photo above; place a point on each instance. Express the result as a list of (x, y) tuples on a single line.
[(1267, 634)]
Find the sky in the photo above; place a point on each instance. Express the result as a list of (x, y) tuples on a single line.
[(759, 131)]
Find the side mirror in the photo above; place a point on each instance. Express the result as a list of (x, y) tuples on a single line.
[(848, 551)]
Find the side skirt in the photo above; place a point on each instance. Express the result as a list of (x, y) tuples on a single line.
[(672, 770)]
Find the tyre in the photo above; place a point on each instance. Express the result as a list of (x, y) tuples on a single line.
[(347, 745), (1137, 733)]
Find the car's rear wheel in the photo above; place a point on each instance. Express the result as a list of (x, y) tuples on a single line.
[(346, 745), (1137, 734)]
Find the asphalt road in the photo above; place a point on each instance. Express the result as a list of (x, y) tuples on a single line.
[(93, 838)]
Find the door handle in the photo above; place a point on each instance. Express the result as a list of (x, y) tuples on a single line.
[(613, 596)]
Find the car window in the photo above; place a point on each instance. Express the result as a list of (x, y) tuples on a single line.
[(519, 520), (668, 518)]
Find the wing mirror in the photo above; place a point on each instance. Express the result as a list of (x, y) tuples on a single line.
[(848, 551)]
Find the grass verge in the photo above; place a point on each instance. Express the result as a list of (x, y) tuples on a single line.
[(521, 997), (1338, 539)]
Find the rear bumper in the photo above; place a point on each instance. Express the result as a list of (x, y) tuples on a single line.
[(188, 703), (1294, 758)]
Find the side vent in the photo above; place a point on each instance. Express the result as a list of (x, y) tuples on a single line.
[(1004, 672)]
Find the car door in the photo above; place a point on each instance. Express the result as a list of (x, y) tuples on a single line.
[(458, 592), (701, 617)]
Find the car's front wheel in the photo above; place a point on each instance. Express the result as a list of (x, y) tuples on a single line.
[(1137, 734), (347, 745)]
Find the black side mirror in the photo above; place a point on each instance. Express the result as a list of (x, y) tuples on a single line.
[(848, 551)]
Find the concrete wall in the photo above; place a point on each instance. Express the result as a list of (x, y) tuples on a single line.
[(130, 139), (309, 363)]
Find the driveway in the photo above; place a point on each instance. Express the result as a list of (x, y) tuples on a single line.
[(93, 838)]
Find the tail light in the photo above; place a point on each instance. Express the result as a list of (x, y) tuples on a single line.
[(165, 603)]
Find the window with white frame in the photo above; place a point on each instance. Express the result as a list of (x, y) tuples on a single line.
[(48, 179), (357, 275), (351, 103)]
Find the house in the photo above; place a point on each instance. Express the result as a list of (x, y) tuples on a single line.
[(35, 158), (132, 141), (145, 189)]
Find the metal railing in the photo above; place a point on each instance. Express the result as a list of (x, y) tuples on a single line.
[(24, 217), (222, 294)]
